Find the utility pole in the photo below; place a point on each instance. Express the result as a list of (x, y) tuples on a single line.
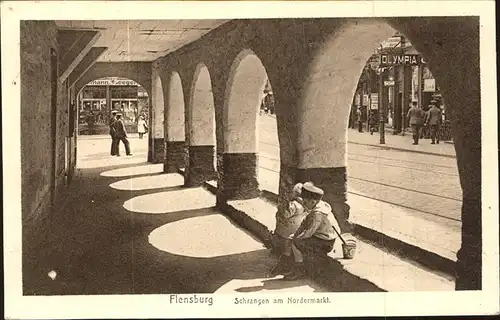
[(381, 106), (404, 101)]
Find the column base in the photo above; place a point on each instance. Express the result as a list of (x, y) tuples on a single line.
[(150, 149), (158, 150), (237, 177), (200, 166), (174, 156), (469, 257)]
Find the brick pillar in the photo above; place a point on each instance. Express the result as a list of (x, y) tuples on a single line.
[(174, 156), (237, 176), (200, 165), (158, 150), (333, 181)]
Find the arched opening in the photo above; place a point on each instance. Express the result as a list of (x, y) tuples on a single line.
[(157, 127), (200, 130), (174, 126), (243, 99), (95, 103), (395, 190)]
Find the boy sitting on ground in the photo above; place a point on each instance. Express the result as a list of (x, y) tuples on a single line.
[(315, 235), (287, 222)]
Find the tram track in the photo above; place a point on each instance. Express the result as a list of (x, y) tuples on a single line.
[(395, 203)]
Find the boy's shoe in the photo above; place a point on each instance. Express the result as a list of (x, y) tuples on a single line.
[(282, 267), (299, 272)]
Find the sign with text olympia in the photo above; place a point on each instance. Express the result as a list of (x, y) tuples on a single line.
[(401, 59), (374, 101)]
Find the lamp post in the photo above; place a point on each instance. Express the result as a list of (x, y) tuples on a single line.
[(381, 106)]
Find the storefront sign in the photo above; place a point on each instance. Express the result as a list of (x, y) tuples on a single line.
[(374, 101), (113, 82), (429, 85), (400, 59), (392, 42), (357, 100), (366, 100)]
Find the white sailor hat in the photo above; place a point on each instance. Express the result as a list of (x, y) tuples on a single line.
[(310, 191)]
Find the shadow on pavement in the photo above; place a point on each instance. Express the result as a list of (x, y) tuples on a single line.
[(96, 246)]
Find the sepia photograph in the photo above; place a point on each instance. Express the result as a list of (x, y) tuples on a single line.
[(201, 159)]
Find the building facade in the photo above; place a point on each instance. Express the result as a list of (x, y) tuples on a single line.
[(395, 76), (98, 98)]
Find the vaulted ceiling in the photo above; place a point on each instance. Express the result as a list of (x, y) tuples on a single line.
[(141, 40)]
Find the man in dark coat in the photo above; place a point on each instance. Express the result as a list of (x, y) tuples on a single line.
[(121, 135), (433, 119), (416, 120), (114, 141)]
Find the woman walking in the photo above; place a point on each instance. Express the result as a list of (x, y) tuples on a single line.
[(142, 127)]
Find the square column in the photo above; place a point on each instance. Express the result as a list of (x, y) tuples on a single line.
[(237, 176), (174, 154), (200, 165)]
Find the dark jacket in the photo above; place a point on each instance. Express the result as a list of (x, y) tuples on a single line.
[(119, 127), (111, 126), (416, 116)]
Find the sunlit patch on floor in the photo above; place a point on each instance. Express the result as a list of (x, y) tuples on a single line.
[(134, 171), (201, 237), (110, 161), (392, 274), (271, 285), (171, 201), (150, 182)]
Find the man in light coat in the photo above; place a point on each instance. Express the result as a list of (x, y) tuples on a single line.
[(433, 119), (416, 120)]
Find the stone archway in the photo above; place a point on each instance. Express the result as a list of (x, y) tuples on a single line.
[(327, 96), (325, 106), (174, 121), (200, 129), (243, 94), (156, 122), (106, 101)]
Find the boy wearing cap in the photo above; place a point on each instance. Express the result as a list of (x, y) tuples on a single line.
[(315, 235)]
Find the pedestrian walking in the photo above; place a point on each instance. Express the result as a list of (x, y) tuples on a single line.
[(91, 122), (359, 119), (112, 131), (142, 127), (433, 119), (121, 135), (416, 120)]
